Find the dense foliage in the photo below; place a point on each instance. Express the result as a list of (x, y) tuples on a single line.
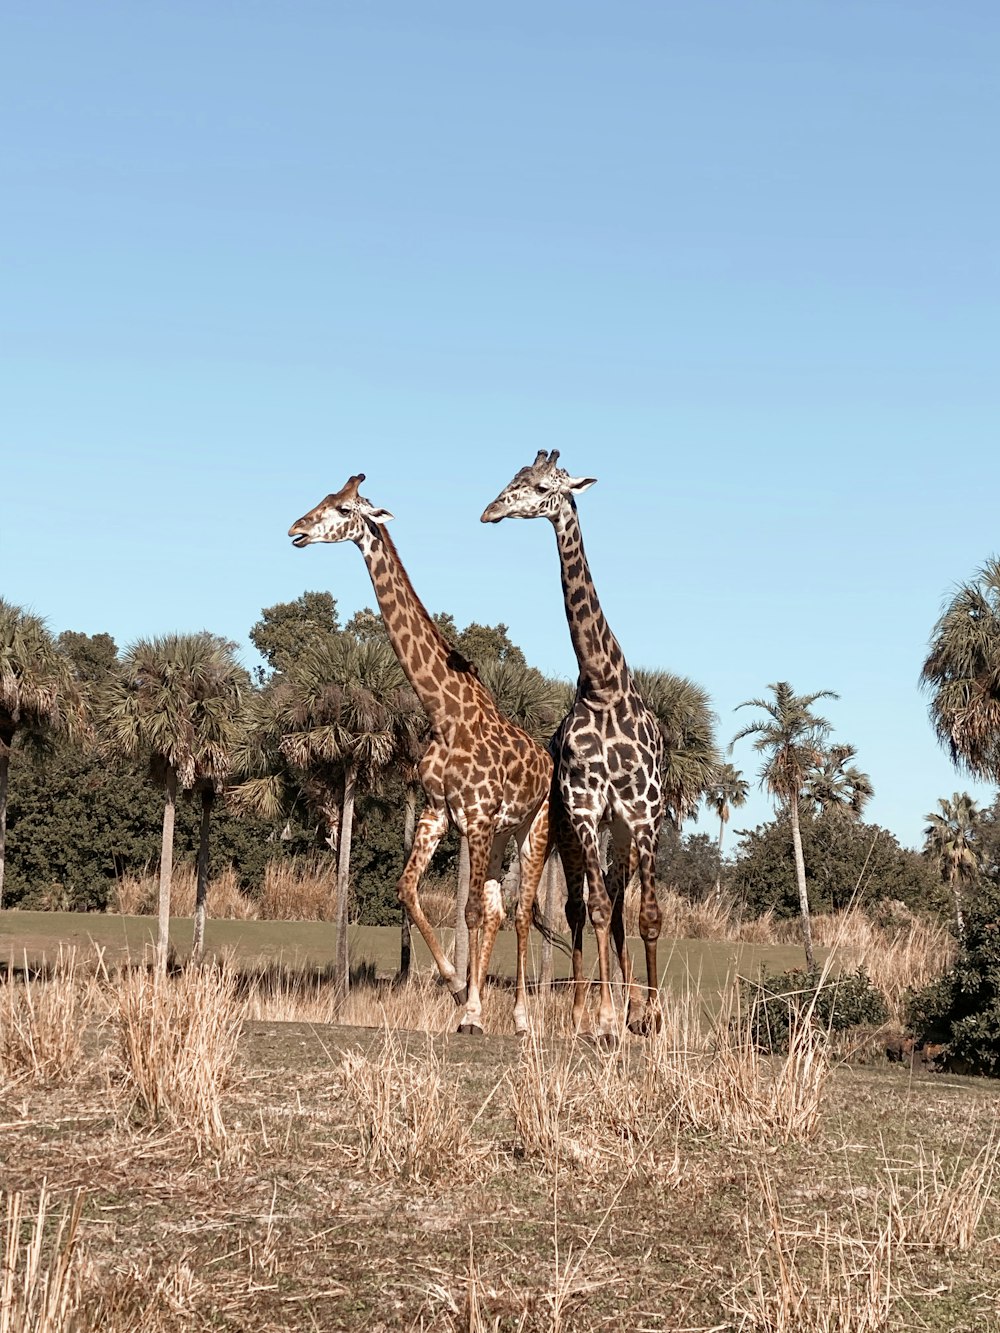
[(962, 1008), (845, 862), (78, 823)]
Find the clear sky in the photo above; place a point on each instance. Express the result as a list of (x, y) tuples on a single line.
[(739, 261)]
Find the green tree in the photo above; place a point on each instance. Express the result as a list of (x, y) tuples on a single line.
[(686, 719), (845, 861), (287, 629), (952, 842), (93, 656), (727, 791), (962, 673), (837, 786), (790, 736), (177, 702), (39, 698)]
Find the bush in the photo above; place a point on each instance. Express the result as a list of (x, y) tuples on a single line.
[(962, 1008), (776, 1002)]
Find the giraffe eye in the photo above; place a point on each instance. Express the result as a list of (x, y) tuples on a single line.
[(543, 489), (343, 509)]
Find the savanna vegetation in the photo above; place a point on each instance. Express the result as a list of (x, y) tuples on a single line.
[(257, 1144)]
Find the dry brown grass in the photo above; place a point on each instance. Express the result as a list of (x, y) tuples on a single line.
[(137, 895), (42, 1020), (816, 1280), (407, 1117), (304, 889), (898, 950), (40, 1286), (176, 1044), (939, 1208)]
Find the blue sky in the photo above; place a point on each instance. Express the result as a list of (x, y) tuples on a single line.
[(738, 261)]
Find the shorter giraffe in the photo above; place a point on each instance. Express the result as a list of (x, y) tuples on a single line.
[(480, 771), (608, 754)]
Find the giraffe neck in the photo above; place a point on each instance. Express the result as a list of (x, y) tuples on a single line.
[(602, 663), (440, 676)]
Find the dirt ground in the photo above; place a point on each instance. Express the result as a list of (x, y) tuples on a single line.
[(294, 1223)]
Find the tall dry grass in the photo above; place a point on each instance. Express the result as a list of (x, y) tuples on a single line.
[(818, 1281), (43, 1014), (407, 1119), (938, 1208), (138, 895), (40, 1285), (176, 1046), (896, 948)]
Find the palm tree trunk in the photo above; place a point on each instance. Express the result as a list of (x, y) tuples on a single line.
[(956, 890), (718, 873), (800, 876), (166, 872), (409, 829), (4, 775), (342, 965), (201, 892), (461, 898)]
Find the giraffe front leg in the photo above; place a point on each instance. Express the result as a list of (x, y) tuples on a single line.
[(625, 862), (431, 828), (483, 914), (599, 902), (649, 930), (571, 856), (532, 843)]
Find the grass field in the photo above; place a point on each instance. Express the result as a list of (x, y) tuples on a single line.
[(311, 943), (232, 1172)]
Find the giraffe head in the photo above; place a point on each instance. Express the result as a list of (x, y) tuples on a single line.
[(342, 517), (538, 491)]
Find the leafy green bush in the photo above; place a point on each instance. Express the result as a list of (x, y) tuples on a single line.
[(962, 1008), (776, 1001)]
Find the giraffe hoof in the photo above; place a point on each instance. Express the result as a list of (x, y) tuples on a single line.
[(607, 1041), (470, 1029), (645, 1024), (460, 996)]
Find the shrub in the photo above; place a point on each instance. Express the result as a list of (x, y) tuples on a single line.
[(777, 1002), (962, 1008)]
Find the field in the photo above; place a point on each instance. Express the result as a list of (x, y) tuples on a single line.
[(232, 1166)]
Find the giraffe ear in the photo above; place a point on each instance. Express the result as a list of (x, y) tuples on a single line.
[(580, 484), (379, 515)]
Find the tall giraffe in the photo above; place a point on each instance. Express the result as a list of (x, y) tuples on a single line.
[(480, 771), (608, 754)]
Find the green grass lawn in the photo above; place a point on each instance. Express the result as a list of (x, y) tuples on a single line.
[(708, 963)]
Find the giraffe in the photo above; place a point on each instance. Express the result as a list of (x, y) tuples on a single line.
[(480, 771), (608, 754)]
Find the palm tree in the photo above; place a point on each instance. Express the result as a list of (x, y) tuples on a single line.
[(177, 701), (728, 791), (791, 738), (835, 786), (962, 671), (38, 695), (346, 708), (951, 838), (691, 757)]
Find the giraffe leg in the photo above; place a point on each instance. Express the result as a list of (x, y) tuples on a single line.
[(431, 828), (649, 929), (571, 855), (625, 860), (483, 915), (599, 904), (532, 842)]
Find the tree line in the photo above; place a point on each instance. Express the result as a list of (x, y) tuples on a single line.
[(286, 757)]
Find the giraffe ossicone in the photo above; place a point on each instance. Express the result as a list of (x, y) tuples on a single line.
[(479, 772)]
